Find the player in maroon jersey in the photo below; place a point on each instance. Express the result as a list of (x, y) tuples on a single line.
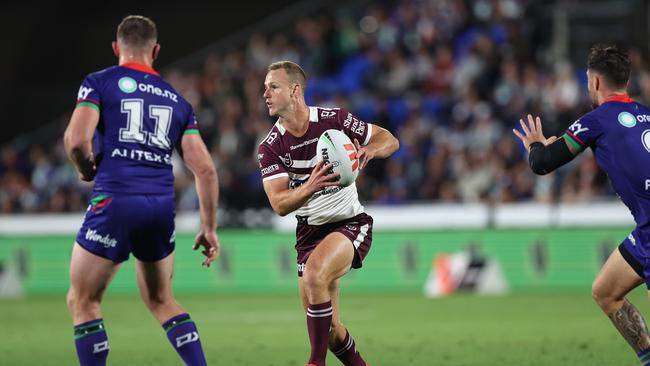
[(333, 233)]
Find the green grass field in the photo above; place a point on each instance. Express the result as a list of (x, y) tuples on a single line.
[(537, 328)]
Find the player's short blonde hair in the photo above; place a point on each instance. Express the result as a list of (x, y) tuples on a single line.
[(137, 31), (294, 71)]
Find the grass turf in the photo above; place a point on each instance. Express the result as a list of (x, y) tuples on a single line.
[(529, 328)]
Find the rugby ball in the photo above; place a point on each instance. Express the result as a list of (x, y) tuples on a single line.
[(335, 147)]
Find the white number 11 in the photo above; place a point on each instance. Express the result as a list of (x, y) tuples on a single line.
[(134, 130)]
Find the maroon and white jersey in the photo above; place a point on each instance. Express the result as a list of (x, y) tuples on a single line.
[(283, 155)]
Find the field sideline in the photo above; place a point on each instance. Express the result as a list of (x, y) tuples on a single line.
[(526, 328)]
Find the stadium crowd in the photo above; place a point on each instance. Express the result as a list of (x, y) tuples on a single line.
[(448, 78)]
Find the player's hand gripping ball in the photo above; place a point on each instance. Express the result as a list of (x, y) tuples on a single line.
[(335, 147)]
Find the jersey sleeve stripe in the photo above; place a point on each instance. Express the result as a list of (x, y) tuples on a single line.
[(575, 138), (572, 142), (88, 100), (275, 176), (369, 135), (87, 103)]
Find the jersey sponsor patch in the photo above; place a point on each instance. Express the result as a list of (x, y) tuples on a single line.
[(105, 240), (627, 119), (83, 93), (270, 169), (303, 144), (576, 128), (327, 113), (127, 85), (354, 124)]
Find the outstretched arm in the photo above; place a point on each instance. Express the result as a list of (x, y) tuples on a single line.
[(77, 140), (382, 144), (544, 154), (198, 160)]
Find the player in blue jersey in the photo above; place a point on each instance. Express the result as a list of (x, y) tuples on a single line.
[(618, 132), (122, 133)]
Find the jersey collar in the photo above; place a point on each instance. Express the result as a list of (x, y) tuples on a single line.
[(619, 98), (140, 67)]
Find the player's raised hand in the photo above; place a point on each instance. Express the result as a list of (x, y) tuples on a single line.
[(209, 240), (532, 132), (364, 154), (321, 177)]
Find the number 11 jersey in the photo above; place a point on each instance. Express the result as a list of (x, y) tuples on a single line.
[(142, 119)]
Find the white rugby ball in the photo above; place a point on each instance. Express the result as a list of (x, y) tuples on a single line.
[(336, 148)]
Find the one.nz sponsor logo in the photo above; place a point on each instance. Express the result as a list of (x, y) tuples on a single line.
[(129, 85), (106, 240)]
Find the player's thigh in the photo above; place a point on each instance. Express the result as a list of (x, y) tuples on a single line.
[(155, 278), (616, 278), (332, 258), (90, 274)]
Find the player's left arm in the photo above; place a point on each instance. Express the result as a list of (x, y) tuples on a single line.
[(381, 144), (544, 154), (197, 158), (77, 140)]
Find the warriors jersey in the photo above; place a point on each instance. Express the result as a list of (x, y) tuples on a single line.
[(618, 132), (142, 119)]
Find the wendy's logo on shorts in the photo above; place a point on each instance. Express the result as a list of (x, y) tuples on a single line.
[(351, 227), (98, 203), (105, 240)]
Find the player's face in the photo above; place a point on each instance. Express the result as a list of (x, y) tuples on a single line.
[(277, 92), (591, 88)]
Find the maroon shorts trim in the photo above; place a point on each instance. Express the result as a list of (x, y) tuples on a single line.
[(358, 229)]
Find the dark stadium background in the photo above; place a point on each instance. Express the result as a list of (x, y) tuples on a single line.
[(48, 49)]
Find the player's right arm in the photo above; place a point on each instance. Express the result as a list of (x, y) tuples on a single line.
[(197, 158), (77, 140), (284, 200), (547, 154)]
